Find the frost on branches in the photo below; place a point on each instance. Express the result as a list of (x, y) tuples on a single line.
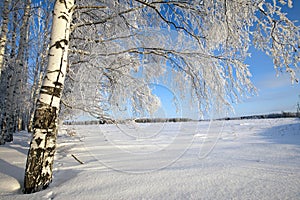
[(119, 47)]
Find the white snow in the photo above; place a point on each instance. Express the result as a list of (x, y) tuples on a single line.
[(238, 159)]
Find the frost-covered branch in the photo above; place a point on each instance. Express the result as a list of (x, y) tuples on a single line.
[(201, 44), (279, 37)]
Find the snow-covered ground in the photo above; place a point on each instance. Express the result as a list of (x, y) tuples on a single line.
[(239, 159)]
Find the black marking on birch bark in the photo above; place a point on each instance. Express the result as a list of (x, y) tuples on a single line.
[(61, 65), (47, 163), (63, 17), (58, 44), (73, 7), (52, 91), (65, 41), (59, 84), (38, 141), (64, 2), (46, 177), (39, 152), (59, 72), (51, 150), (40, 103), (45, 117), (46, 77)]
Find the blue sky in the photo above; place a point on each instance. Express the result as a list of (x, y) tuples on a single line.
[(275, 93)]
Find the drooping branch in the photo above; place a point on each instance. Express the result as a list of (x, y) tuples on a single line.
[(171, 23), (102, 21)]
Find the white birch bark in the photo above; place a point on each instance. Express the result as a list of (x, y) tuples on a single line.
[(7, 121), (3, 40), (15, 86), (21, 69), (4, 31), (39, 70), (38, 172)]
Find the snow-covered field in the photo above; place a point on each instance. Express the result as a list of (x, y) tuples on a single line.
[(239, 159)]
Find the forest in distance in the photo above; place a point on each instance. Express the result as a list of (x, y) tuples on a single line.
[(162, 120)]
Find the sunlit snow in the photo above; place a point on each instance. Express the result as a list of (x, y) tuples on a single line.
[(236, 159)]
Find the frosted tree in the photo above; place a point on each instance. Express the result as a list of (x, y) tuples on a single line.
[(4, 31), (3, 41), (19, 80), (118, 47), (26, 50), (201, 44), (39, 35), (14, 77)]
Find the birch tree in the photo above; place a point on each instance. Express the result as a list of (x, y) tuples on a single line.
[(39, 35), (3, 41), (4, 31), (38, 174), (18, 79), (14, 77), (121, 46), (28, 35), (19, 82)]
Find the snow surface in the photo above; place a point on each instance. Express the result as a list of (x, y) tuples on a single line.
[(238, 159)]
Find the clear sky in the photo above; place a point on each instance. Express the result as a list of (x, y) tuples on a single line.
[(275, 94)]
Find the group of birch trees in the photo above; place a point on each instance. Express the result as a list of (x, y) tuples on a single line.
[(103, 55), (24, 38)]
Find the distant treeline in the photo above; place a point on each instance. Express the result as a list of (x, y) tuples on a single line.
[(266, 116), (90, 122), (159, 120), (141, 120), (162, 120)]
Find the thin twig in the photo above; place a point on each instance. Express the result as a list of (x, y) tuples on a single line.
[(77, 159)]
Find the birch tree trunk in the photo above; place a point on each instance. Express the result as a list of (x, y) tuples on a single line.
[(38, 172), (21, 69), (37, 80), (39, 70), (3, 40), (7, 119), (4, 31), (14, 100)]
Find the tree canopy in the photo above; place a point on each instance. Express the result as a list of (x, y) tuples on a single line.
[(199, 46)]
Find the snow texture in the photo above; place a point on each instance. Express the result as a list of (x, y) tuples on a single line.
[(238, 159)]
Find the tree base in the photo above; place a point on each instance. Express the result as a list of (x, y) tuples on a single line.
[(35, 189)]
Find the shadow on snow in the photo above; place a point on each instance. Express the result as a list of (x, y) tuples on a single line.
[(284, 134)]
